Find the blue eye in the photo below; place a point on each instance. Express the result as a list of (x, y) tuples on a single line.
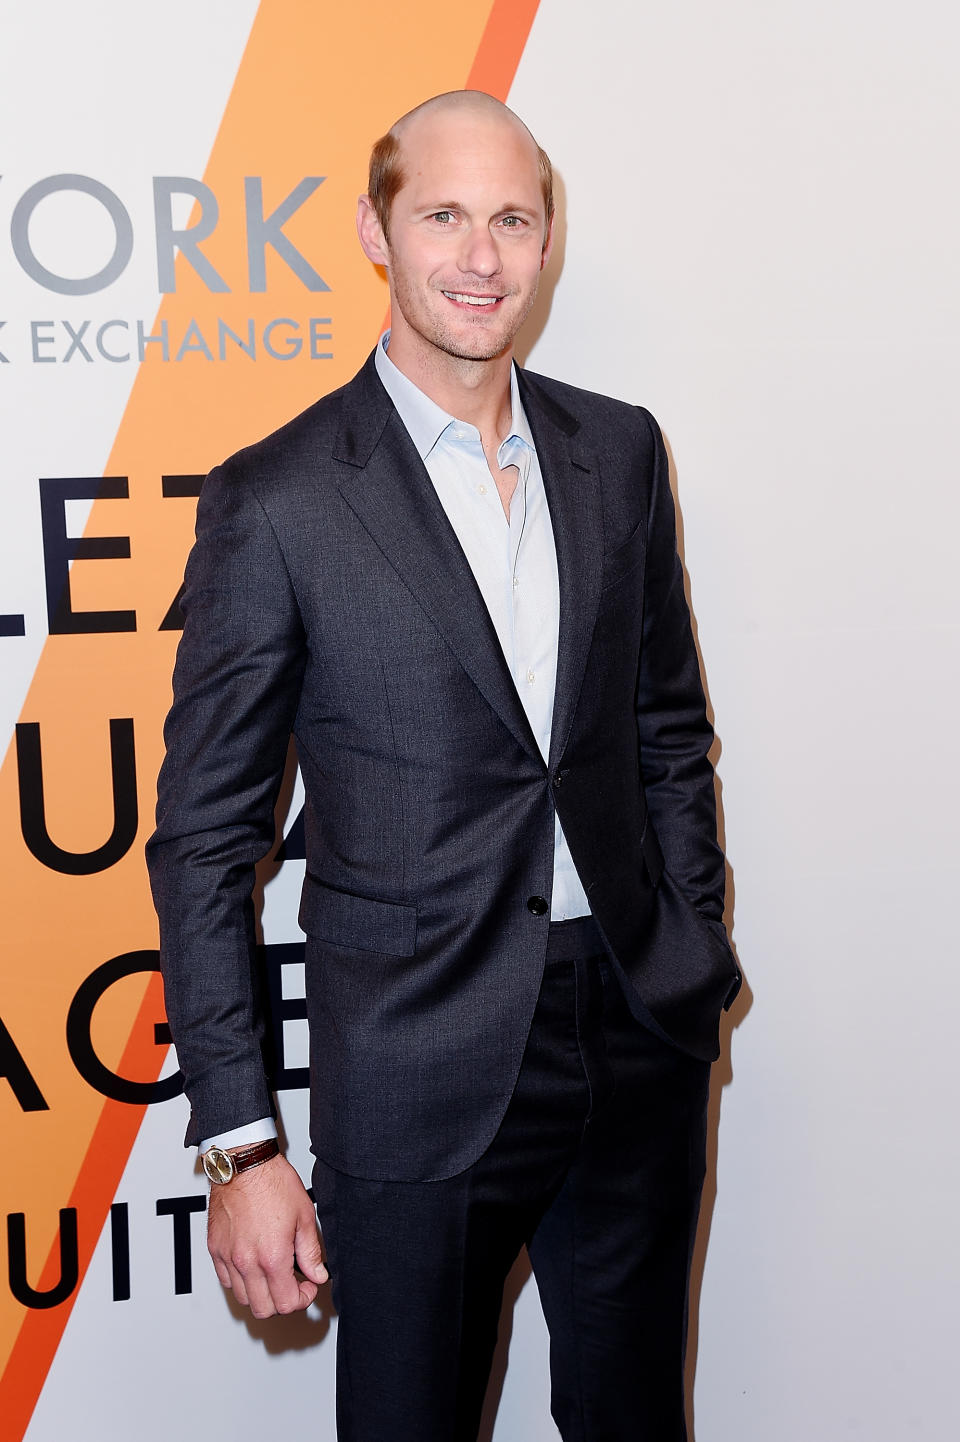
[(444, 216)]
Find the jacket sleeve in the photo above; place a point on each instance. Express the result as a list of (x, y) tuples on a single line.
[(236, 689), (675, 735)]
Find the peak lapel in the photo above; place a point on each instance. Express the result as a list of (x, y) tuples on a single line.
[(571, 482), (388, 489)]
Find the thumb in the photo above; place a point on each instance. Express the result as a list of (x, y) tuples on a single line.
[(306, 1247)]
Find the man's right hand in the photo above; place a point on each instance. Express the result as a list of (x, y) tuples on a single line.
[(258, 1226)]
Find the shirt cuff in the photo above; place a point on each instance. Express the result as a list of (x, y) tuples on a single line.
[(260, 1131)]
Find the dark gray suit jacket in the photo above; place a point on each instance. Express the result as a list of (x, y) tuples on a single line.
[(327, 595)]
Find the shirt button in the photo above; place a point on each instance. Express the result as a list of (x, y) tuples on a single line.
[(531, 677), (516, 582), (537, 905), (482, 490)]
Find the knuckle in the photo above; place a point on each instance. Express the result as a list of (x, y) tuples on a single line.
[(275, 1262)]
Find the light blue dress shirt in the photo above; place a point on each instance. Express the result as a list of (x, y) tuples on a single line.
[(514, 562)]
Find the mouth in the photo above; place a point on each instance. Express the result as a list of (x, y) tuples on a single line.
[(473, 302)]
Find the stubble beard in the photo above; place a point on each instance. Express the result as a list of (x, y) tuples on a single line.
[(480, 347)]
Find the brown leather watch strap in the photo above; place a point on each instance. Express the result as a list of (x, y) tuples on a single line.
[(222, 1166), (254, 1156)]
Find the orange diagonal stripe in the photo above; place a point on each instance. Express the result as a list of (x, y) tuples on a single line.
[(501, 46), (95, 1187), (346, 75)]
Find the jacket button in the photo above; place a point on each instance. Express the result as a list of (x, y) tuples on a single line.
[(557, 778), (537, 905)]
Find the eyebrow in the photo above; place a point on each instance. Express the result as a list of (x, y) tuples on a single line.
[(518, 209)]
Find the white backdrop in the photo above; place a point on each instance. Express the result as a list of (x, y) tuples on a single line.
[(759, 243)]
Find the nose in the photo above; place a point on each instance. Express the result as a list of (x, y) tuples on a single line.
[(479, 254)]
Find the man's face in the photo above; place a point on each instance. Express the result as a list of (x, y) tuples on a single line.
[(466, 240)]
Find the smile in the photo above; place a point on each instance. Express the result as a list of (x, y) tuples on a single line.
[(477, 300)]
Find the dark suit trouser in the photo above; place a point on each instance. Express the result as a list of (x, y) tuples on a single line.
[(597, 1168)]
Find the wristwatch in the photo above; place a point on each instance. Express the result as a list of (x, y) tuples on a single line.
[(221, 1167)]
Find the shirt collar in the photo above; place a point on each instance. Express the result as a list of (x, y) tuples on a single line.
[(424, 419)]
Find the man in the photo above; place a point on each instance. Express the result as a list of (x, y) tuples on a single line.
[(458, 586)]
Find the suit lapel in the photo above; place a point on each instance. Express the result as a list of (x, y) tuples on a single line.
[(573, 494), (388, 489)]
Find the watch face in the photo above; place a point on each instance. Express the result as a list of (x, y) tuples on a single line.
[(218, 1165)]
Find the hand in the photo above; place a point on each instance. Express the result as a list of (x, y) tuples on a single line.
[(258, 1225)]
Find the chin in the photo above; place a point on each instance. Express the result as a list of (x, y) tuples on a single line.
[(473, 344), (477, 351)]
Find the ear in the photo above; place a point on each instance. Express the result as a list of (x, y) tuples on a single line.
[(548, 243), (371, 234)]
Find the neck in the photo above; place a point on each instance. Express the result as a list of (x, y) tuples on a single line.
[(476, 391)]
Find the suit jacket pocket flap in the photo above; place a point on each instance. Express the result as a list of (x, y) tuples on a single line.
[(621, 561), (360, 922)]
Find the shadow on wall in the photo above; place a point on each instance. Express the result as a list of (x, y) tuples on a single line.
[(722, 1073)]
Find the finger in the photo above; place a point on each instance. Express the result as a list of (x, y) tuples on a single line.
[(220, 1260), (285, 1290), (306, 1293), (217, 1240), (307, 1251), (222, 1271), (238, 1286), (237, 1278), (296, 1298), (259, 1298)]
